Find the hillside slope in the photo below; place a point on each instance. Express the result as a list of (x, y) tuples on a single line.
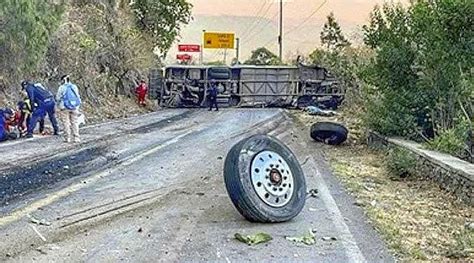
[(98, 44)]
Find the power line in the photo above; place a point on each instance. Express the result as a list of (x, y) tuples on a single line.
[(268, 23), (259, 20), (300, 41), (252, 36), (255, 22), (307, 19)]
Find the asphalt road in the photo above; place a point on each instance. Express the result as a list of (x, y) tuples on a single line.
[(150, 189)]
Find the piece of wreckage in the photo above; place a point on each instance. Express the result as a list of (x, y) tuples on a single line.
[(264, 180), (246, 86)]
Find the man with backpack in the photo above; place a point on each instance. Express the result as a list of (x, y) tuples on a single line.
[(42, 103), (69, 100)]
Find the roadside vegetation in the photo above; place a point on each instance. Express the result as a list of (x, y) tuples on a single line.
[(412, 78), (263, 56), (417, 220), (106, 46)]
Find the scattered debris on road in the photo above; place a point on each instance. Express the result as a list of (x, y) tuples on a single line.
[(38, 222), (313, 110), (329, 239), (313, 193), (307, 239), (253, 239)]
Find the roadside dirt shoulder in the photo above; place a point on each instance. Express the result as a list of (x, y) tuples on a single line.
[(417, 219)]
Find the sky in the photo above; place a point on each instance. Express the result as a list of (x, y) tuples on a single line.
[(256, 23), (355, 11)]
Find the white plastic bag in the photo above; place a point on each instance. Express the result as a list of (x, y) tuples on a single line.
[(81, 119)]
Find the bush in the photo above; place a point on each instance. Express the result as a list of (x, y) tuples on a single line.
[(401, 162), (451, 141)]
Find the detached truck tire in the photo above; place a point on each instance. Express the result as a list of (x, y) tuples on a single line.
[(264, 180), (329, 132)]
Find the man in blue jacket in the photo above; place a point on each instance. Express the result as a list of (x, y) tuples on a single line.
[(212, 95), (5, 114), (42, 102)]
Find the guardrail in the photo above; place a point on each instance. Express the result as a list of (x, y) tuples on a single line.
[(452, 174)]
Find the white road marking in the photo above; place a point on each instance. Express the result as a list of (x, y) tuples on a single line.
[(352, 249), (350, 245)]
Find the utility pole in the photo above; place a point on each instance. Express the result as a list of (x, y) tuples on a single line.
[(225, 56), (237, 49), (280, 37), (202, 48)]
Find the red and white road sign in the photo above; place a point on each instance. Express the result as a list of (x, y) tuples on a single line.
[(184, 57), (189, 48)]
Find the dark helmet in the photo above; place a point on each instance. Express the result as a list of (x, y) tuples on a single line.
[(65, 78), (24, 83)]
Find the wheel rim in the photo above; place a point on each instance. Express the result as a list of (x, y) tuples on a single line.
[(272, 178)]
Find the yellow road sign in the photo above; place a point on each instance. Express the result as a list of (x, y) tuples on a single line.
[(219, 40)]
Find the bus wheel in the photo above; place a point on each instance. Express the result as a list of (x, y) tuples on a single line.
[(264, 180)]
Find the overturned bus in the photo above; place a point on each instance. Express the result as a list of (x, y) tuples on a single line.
[(245, 86)]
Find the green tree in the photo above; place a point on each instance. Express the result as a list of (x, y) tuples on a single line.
[(26, 27), (394, 93), (339, 57), (421, 76), (263, 56), (331, 36), (162, 19)]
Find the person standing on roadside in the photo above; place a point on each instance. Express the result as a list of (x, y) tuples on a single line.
[(69, 100), (42, 103), (212, 95), (141, 90)]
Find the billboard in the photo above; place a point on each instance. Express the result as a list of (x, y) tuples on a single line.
[(219, 40)]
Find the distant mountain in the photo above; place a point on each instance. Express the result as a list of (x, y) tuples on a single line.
[(253, 33)]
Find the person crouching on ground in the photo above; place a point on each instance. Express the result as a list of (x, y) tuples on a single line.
[(69, 101), (141, 90), (25, 111), (42, 103), (5, 116), (212, 95)]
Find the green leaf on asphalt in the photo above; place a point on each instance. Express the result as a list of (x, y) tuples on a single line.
[(308, 239), (253, 239)]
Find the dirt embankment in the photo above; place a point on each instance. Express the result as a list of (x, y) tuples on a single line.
[(418, 220)]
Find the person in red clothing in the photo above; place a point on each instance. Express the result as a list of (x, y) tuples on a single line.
[(141, 90)]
